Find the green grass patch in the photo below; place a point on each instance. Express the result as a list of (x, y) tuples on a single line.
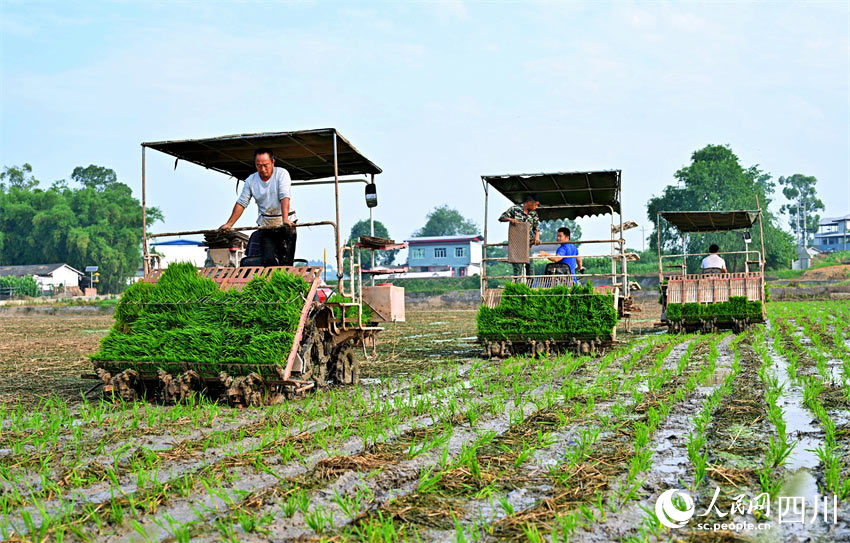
[(434, 286)]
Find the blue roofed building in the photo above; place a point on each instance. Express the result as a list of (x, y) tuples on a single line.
[(833, 234), (459, 255)]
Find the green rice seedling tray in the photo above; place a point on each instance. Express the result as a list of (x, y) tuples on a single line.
[(737, 308), (185, 321), (558, 313)]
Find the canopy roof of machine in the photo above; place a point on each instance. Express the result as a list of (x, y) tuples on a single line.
[(563, 195), (711, 221), (306, 154)]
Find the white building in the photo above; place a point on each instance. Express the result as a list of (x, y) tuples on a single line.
[(180, 250), (48, 276)]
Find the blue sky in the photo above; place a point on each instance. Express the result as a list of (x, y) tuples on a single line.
[(436, 93)]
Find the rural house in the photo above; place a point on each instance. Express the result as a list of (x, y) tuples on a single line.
[(48, 276), (460, 255), (833, 234)]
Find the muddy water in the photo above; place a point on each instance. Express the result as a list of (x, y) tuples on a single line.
[(561, 441), (671, 467), (801, 467), (395, 480)]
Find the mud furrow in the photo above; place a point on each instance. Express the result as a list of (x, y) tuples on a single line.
[(392, 470), (197, 466), (259, 482), (530, 482)]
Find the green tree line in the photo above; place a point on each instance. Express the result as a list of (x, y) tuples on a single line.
[(91, 220)]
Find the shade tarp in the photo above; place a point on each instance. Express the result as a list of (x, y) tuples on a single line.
[(306, 154), (710, 221), (563, 195)]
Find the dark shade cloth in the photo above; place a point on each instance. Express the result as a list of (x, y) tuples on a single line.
[(306, 154), (711, 221), (563, 195)]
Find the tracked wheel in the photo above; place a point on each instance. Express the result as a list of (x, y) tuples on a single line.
[(346, 366), (177, 389), (125, 386)]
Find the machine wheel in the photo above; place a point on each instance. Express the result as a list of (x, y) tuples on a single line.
[(319, 357), (175, 390), (244, 391), (126, 385), (346, 366)]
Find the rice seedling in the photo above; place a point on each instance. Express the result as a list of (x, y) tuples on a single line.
[(319, 520), (589, 400), (350, 505)]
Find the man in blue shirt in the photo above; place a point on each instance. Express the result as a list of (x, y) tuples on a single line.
[(567, 253)]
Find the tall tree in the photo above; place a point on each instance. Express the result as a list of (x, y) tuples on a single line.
[(97, 222), (549, 229), (802, 211), (716, 181), (94, 177), (445, 221), (382, 258), (18, 176)]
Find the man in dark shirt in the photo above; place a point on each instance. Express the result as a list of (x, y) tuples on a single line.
[(525, 213)]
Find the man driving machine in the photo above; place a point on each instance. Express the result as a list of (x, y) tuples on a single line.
[(274, 243), (566, 259)]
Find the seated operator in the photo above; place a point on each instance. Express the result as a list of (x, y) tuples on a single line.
[(566, 257), (270, 187), (713, 263)]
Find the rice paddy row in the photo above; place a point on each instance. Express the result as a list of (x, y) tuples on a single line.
[(523, 449)]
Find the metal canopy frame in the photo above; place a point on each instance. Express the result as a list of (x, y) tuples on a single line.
[(564, 195), (314, 154), (711, 221)]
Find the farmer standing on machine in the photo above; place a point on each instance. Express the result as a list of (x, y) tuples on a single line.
[(525, 213), (273, 245)]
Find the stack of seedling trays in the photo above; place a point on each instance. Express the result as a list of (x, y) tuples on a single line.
[(735, 314), (540, 321), (186, 322)]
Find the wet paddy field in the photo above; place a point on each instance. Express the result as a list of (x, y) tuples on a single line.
[(437, 444)]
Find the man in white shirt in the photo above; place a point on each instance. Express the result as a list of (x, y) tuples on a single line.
[(713, 260), (270, 187)]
